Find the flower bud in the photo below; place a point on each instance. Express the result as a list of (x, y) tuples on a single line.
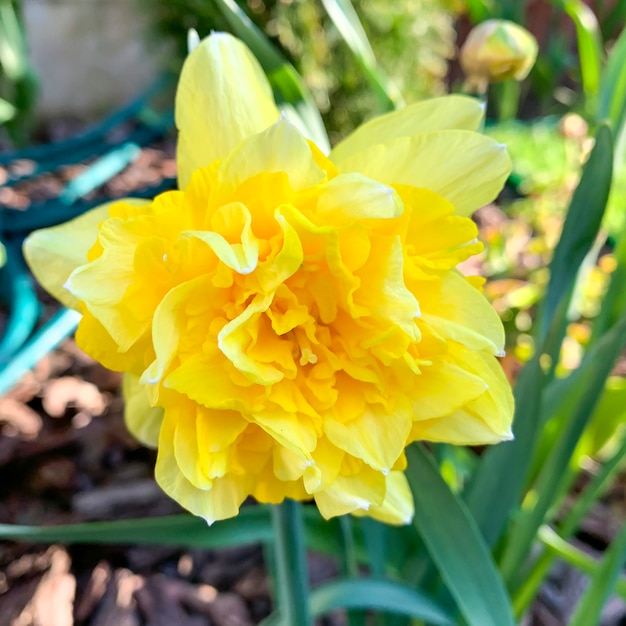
[(497, 50)]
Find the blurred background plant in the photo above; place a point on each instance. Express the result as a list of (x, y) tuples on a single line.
[(555, 261), (414, 40), (18, 83)]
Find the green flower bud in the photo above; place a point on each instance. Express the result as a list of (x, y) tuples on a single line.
[(497, 50)]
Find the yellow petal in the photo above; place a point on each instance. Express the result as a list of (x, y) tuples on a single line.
[(54, 253), (357, 492), (485, 419), (223, 97), (279, 148), (461, 428), (376, 437), (241, 256), (458, 112), (221, 501), (462, 313), (444, 387), (466, 168), (168, 327), (353, 196), (397, 507), (142, 419)]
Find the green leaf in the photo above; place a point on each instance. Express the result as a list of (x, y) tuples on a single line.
[(289, 88), (291, 580), (582, 397), (480, 10), (456, 545), (378, 595), (347, 22), (581, 227), (590, 46), (252, 525), (589, 608), (497, 483), (614, 300), (612, 94)]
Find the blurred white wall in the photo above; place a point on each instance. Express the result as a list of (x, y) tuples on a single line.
[(90, 55)]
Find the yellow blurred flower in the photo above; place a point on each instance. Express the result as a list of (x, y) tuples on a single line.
[(497, 50), (288, 321)]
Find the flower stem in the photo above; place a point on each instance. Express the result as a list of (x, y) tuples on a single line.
[(292, 586)]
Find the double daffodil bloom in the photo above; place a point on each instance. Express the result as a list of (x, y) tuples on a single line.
[(289, 321)]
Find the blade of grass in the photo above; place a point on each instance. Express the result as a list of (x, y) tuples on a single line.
[(347, 22), (456, 545), (288, 87), (589, 608)]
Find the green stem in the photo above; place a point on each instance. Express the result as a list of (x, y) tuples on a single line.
[(507, 99), (292, 585)]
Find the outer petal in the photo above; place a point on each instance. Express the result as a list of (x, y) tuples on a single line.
[(221, 501), (460, 112), (485, 419), (397, 507), (360, 491), (54, 253), (376, 438), (223, 97), (142, 419), (466, 168), (462, 313)]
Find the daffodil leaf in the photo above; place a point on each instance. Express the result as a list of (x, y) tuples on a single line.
[(252, 525), (582, 397), (456, 545), (581, 226), (612, 95), (589, 608), (379, 595), (497, 483), (590, 44), (347, 22)]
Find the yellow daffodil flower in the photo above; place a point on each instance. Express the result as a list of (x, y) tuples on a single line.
[(289, 321)]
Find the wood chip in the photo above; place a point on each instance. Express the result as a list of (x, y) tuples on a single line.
[(118, 606), (94, 592), (61, 393)]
